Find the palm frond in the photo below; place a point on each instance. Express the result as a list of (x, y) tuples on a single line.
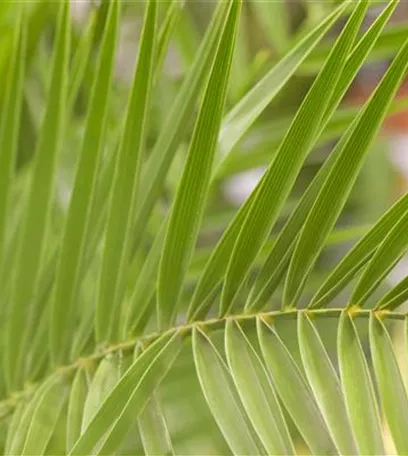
[(142, 316)]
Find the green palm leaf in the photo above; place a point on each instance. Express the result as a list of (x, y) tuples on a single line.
[(138, 306)]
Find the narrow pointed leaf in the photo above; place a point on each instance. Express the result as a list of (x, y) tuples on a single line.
[(80, 61), (294, 391), (217, 264), (218, 389), (256, 392), (280, 176), (77, 398), (117, 243), (14, 426), (36, 218), (153, 429), (325, 385), (116, 403), (191, 195), (155, 171), (358, 389), (149, 381), (359, 255), (390, 384), (339, 183), (278, 259), (11, 119), (45, 417), (248, 109), (146, 283), (395, 297), (105, 379), (243, 115), (166, 30), (20, 434), (385, 257), (75, 234)]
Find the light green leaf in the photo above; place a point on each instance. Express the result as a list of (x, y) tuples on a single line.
[(45, 416), (242, 116), (11, 119), (275, 265), (390, 384), (388, 253), (249, 108), (80, 60), (20, 434), (156, 168), (77, 225), (77, 399), (256, 391), (325, 385), (188, 206), (165, 32), (280, 176), (359, 255), (21, 431), (395, 297), (358, 389), (218, 389), (35, 222), (106, 377), (153, 429), (294, 391), (339, 183), (126, 400), (124, 193), (14, 426), (145, 283), (149, 381)]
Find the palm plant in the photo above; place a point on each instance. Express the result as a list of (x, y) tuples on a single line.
[(123, 330)]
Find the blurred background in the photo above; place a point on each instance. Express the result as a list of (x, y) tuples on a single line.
[(268, 29)]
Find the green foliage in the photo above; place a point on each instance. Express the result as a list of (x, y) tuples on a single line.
[(142, 313)]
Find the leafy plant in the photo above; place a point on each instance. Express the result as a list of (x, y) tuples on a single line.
[(128, 326)]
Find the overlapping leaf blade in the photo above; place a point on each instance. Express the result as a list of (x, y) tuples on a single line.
[(104, 380), (359, 255), (294, 391), (158, 164), (256, 391), (11, 120), (388, 253), (390, 384), (188, 206), (118, 238), (216, 265), (218, 389), (36, 218), (13, 426), (153, 429), (77, 225), (395, 297), (273, 269), (165, 32), (45, 416), (77, 398), (249, 108), (337, 187), (358, 389), (280, 176), (326, 386), (149, 381), (116, 404)]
